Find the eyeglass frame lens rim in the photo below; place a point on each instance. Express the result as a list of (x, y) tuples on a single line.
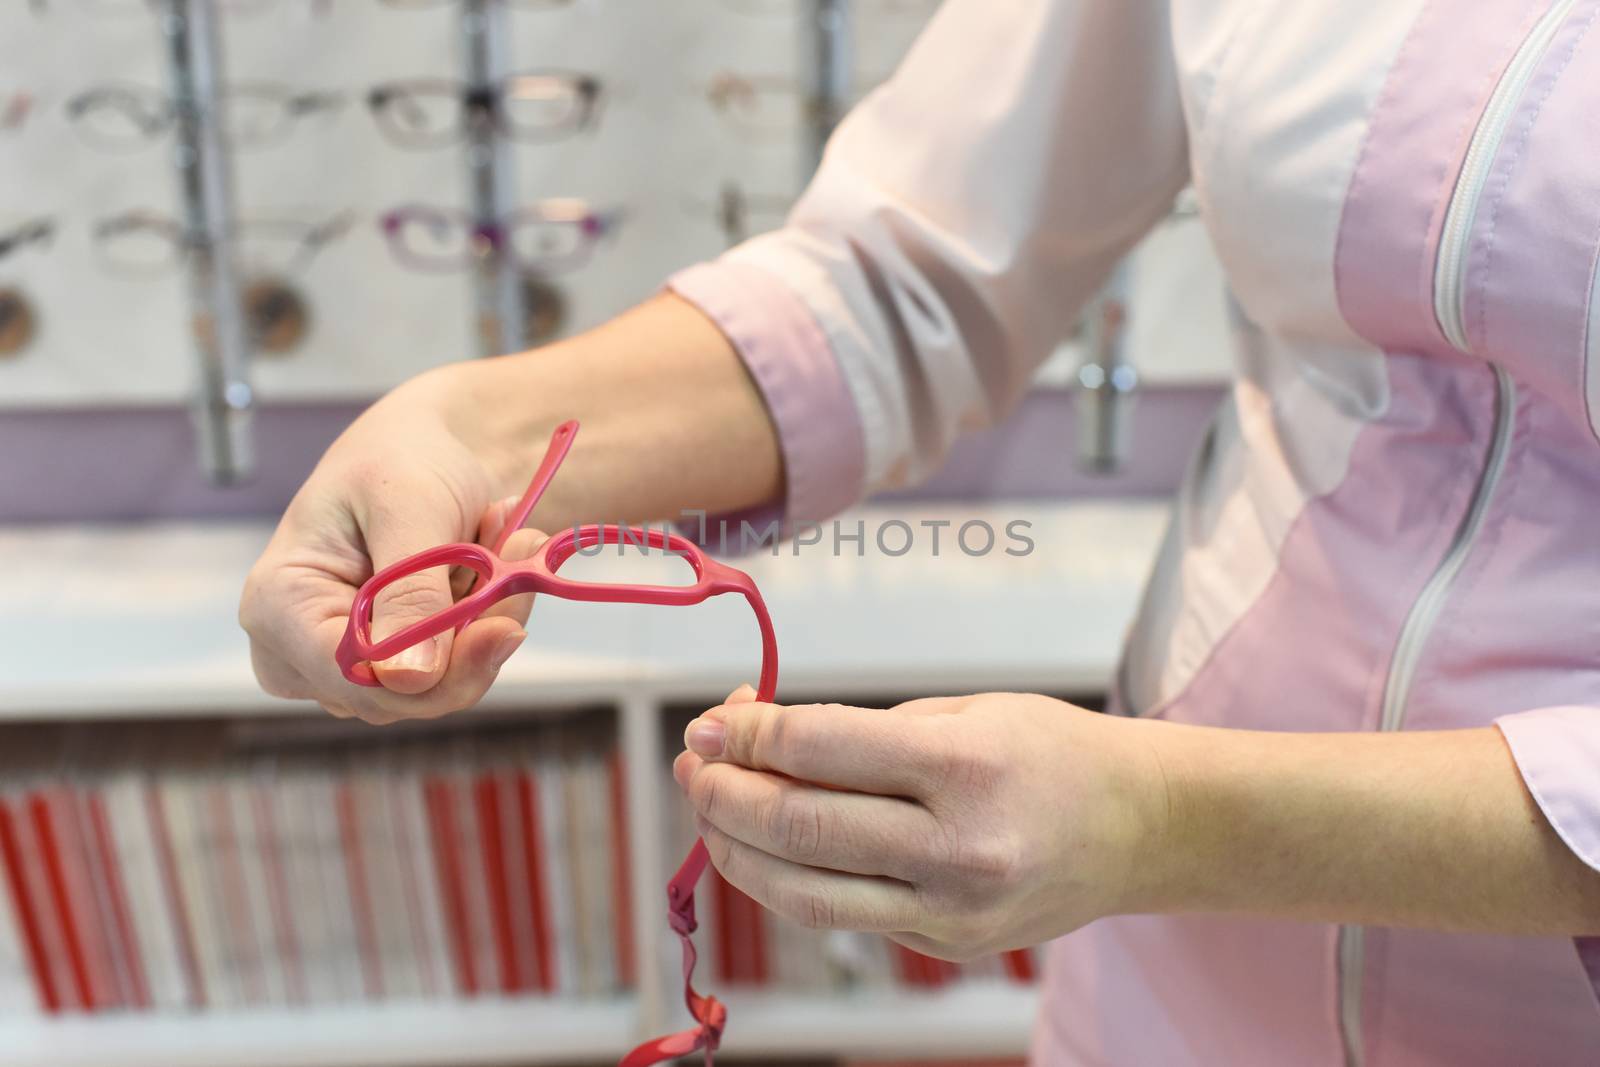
[(307, 238), (127, 100), (290, 103), (592, 225), (40, 229), (583, 91)]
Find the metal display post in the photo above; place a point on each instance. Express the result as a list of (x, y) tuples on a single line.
[(1107, 379), (223, 398), (497, 284), (832, 72)]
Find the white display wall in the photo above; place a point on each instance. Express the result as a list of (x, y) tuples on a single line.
[(659, 152)]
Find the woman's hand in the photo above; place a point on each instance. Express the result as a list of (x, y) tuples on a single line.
[(671, 420), (958, 826), (401, 479), (967, 825)]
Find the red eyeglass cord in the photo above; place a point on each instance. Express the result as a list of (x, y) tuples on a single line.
[(709, 1013)]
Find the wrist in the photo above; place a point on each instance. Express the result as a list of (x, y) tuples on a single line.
[(671, 419), (1240, 819), (1164, 847), (1136, 809), (501, 412)]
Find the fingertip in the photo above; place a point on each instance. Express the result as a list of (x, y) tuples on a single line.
[(683, 767), (488, 643), (405, 682), (504, 650), (717, 716), (706, 736), (413, 670), (469, 670), (742, 695), (523, 544), (732, 709)]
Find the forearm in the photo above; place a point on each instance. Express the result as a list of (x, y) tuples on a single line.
[(671, 419), (1410, 829)]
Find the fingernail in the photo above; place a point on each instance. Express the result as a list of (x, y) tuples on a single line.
[(705, 737), (508, 645), (420, 657), (680, 770)]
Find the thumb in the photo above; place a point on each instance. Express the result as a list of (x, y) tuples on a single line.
[(391, 537), (707, 735)]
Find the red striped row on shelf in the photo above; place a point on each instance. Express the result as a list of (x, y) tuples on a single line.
[(194, 881)]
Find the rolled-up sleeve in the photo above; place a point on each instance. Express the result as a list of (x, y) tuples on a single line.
[(797, 374), (1557, 751), (963, 215)]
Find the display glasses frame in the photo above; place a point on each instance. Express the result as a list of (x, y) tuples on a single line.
[(537, 107), (565, 230)]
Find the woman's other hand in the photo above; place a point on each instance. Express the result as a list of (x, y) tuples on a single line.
[(958, 826)]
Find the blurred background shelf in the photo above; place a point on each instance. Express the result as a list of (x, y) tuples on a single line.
[(416, 1034), (977, 1020), (964, 1022)]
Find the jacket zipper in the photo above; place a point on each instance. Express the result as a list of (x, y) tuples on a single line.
[(1408, 652), (1449, 296), (1419, 623), (1450, 270)]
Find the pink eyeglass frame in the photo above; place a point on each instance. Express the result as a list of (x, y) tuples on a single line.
[(498, 579)]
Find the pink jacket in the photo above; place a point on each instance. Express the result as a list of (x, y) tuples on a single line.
[(1389, 525)]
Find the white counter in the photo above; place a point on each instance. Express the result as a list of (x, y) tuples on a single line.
[(141, 619)]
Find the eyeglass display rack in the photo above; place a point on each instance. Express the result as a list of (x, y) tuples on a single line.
[(104, 338)]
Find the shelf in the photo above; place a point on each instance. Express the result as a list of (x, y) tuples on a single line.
[(417, 1034), (979, 1019)]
